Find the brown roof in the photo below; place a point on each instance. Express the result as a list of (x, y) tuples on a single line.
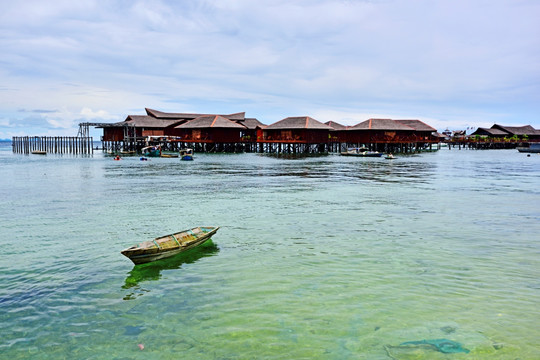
[(251, 123), (210, 121), (237, 116), (163, 115), (336, 126), (492, 131), (517, 130), (148, 121), (417, 125), (381, 124), (299, 122), (189, 116)]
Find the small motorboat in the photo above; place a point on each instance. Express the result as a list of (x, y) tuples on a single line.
[(390, 157), (151, 151), (361, 152), (186, 154), (39, 152), (169, 245), (532, 148)]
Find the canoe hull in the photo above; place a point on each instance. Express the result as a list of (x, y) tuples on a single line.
[(169, 245)]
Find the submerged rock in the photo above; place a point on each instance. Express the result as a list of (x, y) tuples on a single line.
[(448, 329), (442, 345)]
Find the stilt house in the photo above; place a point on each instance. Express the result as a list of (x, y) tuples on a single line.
[(301, 129), (214, 128), (500, 131), (338, 133), (373, 131)]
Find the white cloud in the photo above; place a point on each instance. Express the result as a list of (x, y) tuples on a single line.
[(87, 113), (447, 61)]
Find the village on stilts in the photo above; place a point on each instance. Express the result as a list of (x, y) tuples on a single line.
[(236, 133)]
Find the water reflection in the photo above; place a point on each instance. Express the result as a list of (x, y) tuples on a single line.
[(250, 167), (152, 271)]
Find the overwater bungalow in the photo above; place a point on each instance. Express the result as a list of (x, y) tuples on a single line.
[(374, 131), (235, 133), (423, 132), (392, 135), (301, 129), (300, 134), (500, 132), (213, 128), (173, 129), (338, 133)]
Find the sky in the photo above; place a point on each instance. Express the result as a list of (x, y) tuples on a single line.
[(453, 64)]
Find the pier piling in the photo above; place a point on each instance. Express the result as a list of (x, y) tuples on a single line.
[(53, 144)]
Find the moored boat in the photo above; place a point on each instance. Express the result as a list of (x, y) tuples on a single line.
[(169, 155), (152, 151), (532, 148), (39, 152), (169, 245), (186, 154), (361, 152)]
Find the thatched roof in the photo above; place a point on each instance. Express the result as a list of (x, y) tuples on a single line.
[(417, 125), (212, 121), (336, 126), (300, 122), (381, 124)]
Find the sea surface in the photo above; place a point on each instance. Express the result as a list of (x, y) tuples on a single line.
[(324, 257)]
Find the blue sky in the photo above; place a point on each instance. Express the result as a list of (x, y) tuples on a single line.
[(454, 64)]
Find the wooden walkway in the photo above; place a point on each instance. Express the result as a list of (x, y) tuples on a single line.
[(53, 144)]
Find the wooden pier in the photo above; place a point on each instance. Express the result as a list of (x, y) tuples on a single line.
[(53, 144), (291, 147), (492, 144)]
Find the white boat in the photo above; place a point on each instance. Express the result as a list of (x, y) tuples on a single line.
[(361, 152), (151, 151)]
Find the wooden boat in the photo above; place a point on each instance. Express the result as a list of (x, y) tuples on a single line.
[(39, 152), (151, 151), (169, 155), (186, 154), (361, 152), (169, 245)]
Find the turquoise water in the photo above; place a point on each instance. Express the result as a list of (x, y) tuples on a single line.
[(318, 258)]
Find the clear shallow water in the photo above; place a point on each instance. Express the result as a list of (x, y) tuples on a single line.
[(319, 258)]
